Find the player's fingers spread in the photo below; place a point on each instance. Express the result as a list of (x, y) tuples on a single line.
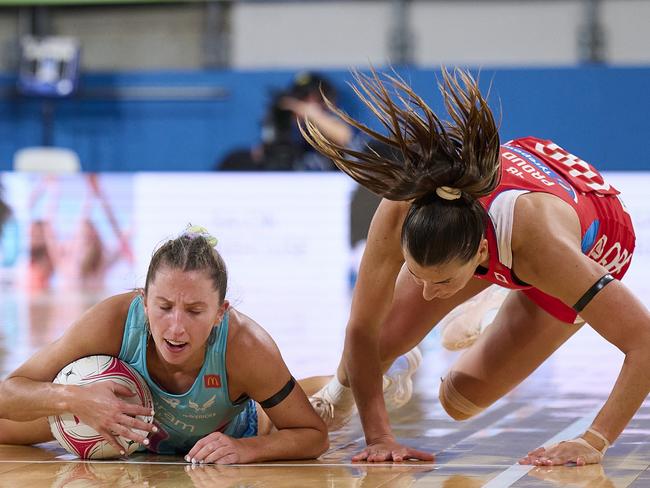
[(362, 456), (208, 449), (371, 456), (127, 433), (200, 444), (112, 440), (421, 455), (557, 460), (197, 454), (379, 456), (137, 424), (220, 455), (533, 459), (132, 434), (133, 410)]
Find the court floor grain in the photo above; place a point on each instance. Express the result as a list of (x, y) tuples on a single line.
[(557, 402)]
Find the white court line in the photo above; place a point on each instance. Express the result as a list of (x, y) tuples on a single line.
[(262, 465), (518, 471)]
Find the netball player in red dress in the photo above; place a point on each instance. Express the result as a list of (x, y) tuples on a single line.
[(460, 212)]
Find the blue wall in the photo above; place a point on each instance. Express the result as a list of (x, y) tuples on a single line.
[(601, 114)]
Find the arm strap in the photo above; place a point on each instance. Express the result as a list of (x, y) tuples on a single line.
[(591, 292), (273, 400)]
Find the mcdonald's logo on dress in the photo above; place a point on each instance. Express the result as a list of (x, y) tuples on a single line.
[(212, 381)]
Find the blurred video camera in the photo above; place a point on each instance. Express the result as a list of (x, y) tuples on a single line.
[(281, 139)]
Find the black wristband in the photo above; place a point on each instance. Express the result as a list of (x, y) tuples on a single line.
[(279, 396), (591, 292)]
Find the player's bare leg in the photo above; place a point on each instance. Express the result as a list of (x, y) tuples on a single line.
[(519, 340), (463, 325)]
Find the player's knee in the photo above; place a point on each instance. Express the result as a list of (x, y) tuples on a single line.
[(454, 402)]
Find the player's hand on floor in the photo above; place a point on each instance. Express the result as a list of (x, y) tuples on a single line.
[(218, 448), (564, 452), (101, 406), (388, 449)]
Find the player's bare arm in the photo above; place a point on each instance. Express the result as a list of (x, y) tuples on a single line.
[(371, 302), (543, 254), (256, 369), (28, 393)]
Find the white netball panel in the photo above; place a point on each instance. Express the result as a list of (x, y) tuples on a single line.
[(80, 439)]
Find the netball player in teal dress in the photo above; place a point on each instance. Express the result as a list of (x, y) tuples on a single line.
[(222, 392)]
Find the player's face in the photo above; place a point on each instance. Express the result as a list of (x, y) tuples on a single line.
[(445, 280), (182, 308)]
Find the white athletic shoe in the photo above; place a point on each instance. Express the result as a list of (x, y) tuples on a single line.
[(464, 324), (398, 382), (334, 414), (398, 389)]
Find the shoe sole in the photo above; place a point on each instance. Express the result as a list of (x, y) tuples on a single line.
[(403, 383)]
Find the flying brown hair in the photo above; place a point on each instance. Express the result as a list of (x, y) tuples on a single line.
[(429, 152)]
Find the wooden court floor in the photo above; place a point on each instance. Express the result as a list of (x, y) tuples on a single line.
[(557, 402)]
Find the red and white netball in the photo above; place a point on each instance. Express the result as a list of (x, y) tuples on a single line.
[(80, 439)]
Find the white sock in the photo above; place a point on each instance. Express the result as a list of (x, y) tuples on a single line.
[(337, 393)]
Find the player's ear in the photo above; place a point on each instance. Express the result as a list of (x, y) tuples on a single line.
[(223, 309), (144, 301), (483, 250)]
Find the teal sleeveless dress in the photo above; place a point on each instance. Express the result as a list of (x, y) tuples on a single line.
[(205, 408)]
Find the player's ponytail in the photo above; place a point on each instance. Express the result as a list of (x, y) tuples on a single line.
[(441, 167)]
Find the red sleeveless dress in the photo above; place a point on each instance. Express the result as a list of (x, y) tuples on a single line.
[(535, 165)]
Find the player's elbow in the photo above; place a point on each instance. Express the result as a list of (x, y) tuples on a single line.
[(318, 441), (639, 352), (636, 344), (322, 443)]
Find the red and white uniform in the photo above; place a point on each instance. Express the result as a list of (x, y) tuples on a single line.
[(536, 165)]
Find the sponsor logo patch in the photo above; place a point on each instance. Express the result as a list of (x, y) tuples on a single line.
[(212, 381)]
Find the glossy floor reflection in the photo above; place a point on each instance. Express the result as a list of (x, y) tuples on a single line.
[(551, 404)]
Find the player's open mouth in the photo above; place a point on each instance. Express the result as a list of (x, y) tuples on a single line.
[(175, 346)]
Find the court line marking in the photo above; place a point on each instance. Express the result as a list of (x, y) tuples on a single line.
[(518, 471), (260, 465), (63, 458), (505, 479)]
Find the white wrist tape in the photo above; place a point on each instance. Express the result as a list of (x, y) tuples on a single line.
[(582, 442), (595, 433), (606, 442)]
